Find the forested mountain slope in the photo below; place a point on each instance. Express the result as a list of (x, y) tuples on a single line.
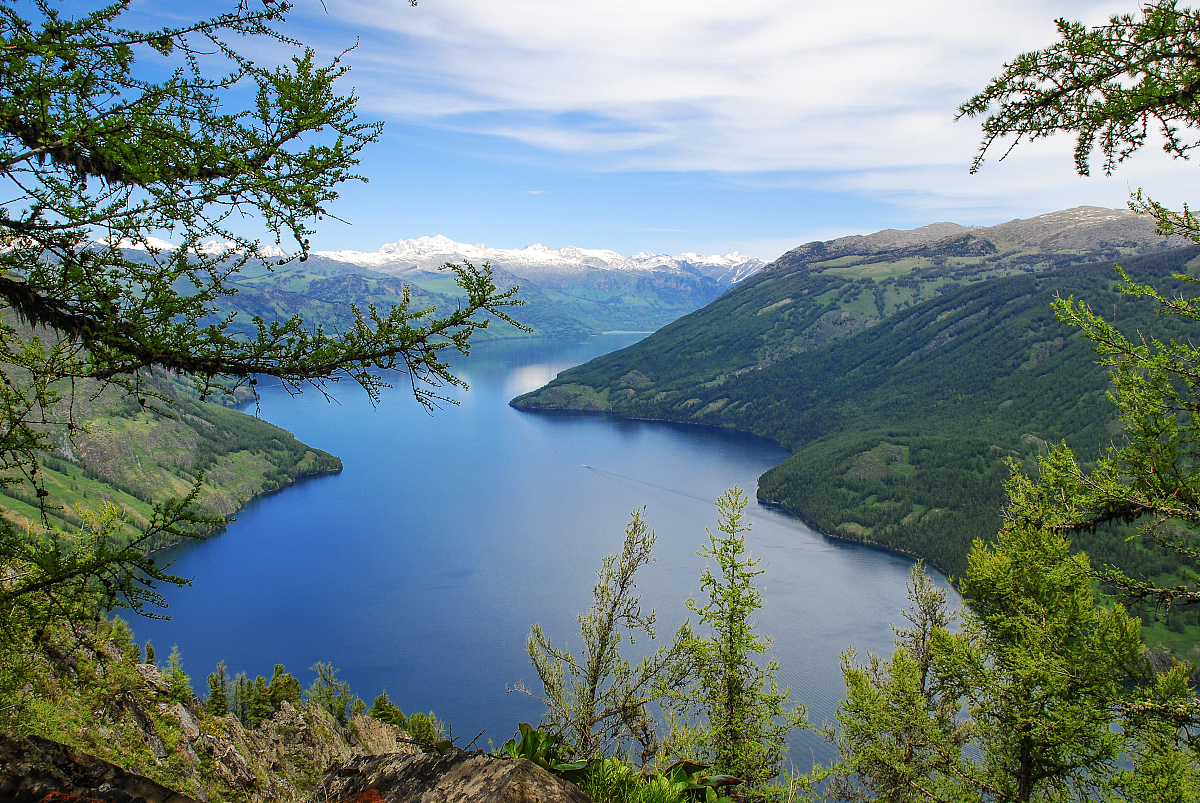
[(135, 456), (322, 290), (563, 297), (900, 431), (822, 292)]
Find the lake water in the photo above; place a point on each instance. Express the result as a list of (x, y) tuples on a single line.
[(420, 568)]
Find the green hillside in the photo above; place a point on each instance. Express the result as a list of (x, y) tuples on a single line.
[(900, 431), (321, 290), (135, 456), (823, 292)]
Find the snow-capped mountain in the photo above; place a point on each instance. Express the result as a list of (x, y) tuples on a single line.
[(539, 262), (210, 247)]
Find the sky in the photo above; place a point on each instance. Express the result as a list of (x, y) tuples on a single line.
[(698, 126)]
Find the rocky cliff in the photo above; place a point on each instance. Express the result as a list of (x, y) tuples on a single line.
[(89, 694)]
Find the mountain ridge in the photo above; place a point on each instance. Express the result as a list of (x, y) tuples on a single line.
[(430, 253)]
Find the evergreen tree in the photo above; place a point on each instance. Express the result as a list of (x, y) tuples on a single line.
[(259, 707), (150, 658), (330, 693), (899, 738), (425, 728), (242, 692), (179, 685), (733, 714), (1028, 701), (1039, 666), (384, 710), (283, 687), (218, 691)]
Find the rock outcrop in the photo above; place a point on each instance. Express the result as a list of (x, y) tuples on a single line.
[(99, 702), (33, 770), (451, 777)]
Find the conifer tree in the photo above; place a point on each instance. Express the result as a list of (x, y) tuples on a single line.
[(283, 687), (1029, 700), (260, 701), (425, 728), (384, 710), (179, 685), (899, 738), (242, 692), (732, 714), (330, 693), (218, 691)]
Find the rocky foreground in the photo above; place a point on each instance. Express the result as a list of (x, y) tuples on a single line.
[(37, 770)]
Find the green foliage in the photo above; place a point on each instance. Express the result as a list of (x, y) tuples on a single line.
[(179, 685), (251, 701), (1111, 86), (1039, 664), (150, 657), (732, 715), (385, 710), (611, 780), (283, 687), (100, 137), (330, 693), (899, 736), (426, 730), (597, 703), (694, 781), (217, 703), (259, 707), (121, 636), (1043, 694), (542, 749), (65, 575)]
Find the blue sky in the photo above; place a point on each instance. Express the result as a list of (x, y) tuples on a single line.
[(688, 126)]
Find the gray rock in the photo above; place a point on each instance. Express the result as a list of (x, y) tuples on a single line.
[(375, 738), (452, 777), (32, 768), (190, 726), (153, 677), (145, 724)]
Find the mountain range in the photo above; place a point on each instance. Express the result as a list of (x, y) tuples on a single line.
[(568, 292), (905, 370), (543, 265)]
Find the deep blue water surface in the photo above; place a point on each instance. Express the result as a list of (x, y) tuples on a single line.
[(420, 568)]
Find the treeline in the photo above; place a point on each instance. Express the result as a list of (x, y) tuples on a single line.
[(252, 702)]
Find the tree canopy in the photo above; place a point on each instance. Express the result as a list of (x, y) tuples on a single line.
[(1113, 86), (132, 162), (1110, 85)]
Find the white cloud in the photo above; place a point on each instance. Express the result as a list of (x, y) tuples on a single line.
[(862, 94)]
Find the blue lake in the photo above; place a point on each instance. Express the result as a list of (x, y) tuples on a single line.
[(420, 568)]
